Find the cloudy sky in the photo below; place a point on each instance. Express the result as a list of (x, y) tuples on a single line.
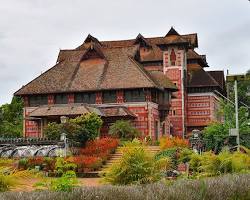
[(33, 31)]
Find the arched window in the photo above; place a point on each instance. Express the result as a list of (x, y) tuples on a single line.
[(173, 57)]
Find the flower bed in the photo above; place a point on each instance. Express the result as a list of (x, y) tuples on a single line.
[(91, 158)]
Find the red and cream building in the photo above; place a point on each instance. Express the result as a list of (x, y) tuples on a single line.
[(158, 83)]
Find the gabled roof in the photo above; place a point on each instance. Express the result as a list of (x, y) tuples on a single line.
[(142, 41), (172, 31), (90, 38)]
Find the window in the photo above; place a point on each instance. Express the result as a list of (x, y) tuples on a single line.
[(173, 58), (61, 99), (85, 98), (38, 100), (109, 97), (134, 95)]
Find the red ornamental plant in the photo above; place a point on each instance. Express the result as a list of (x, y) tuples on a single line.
[(90, 162), (35, 161), (100, 146)]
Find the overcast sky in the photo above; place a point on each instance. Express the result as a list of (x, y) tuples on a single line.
[(33, 31)]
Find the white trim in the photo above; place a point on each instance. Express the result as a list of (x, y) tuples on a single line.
[(204, 94)]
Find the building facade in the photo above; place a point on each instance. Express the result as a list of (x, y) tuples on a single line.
[(158, 83)]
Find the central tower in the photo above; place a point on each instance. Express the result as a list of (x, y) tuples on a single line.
[(175, 68)]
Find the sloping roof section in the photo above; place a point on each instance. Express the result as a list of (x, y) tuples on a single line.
[(117, 71), (200, 78), (67, 109), (80, 109), (219, 77), (162, 80)]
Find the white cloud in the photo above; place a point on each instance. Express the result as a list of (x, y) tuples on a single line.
[(32, 31)]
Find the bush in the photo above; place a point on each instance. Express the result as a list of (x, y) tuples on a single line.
[(137, 166), (124, 129), (210, 164), (66, 183), (171, 142)]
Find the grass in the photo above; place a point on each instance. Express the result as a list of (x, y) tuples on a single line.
[(225, 187)]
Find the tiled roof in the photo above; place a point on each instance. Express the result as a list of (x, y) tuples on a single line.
[(200, 78), (219, 77), (117, 71), (80, 109), (64, 109), (114, 111)]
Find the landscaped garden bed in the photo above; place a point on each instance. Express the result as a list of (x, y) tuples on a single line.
[(91, 158)]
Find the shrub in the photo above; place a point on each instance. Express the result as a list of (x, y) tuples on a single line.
[(210, 164), (63, 165), (124, 129), (66, 183), (171, 142), (100, 146), (90, 162), (91, 123), (137, 166), (23, 163)]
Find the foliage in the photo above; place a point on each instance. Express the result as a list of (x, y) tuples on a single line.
[(11, 118), (90, 122), (79, 130), (173, 142), (63, 165), (124, 129), (216, 135), (100, 146), (210, 164), (66, 183), (53, 131), (137, 166), (224, 187)]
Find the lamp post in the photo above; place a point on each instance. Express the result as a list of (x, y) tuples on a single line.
[(63, 137)]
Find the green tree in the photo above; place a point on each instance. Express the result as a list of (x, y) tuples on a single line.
[(216, 135), (11, 118), (90, 123), (124, 129), (78, 130)]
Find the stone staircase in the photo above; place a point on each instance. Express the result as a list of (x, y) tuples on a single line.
[(118, 154)]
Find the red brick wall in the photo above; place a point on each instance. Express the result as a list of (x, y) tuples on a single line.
[(202, 110), (174, 73), (31, 128)]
